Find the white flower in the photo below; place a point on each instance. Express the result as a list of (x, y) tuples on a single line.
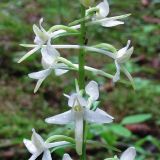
[(66, 157), (49, 62), (129, 154), (41, 38), (103, 13), (122, 56), (80, 112), (37, 146)]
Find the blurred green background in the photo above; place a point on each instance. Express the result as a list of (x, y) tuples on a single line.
[(21, 110)]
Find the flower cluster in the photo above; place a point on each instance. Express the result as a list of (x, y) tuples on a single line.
[(83, 103)]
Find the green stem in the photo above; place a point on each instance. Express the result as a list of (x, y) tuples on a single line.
[(59, 27), (81, 81), (60, 138)]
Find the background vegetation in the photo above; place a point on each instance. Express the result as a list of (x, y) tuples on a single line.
[(21, 110)]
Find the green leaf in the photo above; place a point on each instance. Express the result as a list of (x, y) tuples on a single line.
[(136, 119), (120, 130)]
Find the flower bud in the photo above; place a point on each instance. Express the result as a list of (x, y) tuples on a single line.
[(87, 3)]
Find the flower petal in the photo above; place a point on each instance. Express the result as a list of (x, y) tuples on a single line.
[(56, 144), (29, 54), (59, 72), (63, 118), (79, 131), (98, 116), (66, 157), (38, 141), (76, 99), (103, 9), (126, 56), (40, 25), (92, 90), (37, 30), (129, 154), (122, 51), (40, 74), (49, 54), (111, 23), (116, 77), (39, 82), (47, 155), (30, 146)]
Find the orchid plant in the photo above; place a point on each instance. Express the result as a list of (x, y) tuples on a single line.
[(83, 103)]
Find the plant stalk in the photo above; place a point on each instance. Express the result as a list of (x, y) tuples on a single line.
[(81, 79)]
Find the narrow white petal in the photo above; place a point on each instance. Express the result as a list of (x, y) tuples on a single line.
[(92, 90), (116, 77), (39, 82), (46, 155), (56, 144), (122, 51), (29, 54), (103, 9), (40, 24), (79, 131), (30, 146), (63, 118), (40, 74), (98, 116), (38, 141), (66, 95), (34, 156), (129, 154), (111, 23), (66, 157)]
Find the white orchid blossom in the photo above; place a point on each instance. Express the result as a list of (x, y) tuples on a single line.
[(66, 157), (81, 112), (122, 56), (102, 13), (49, 62), (41, 38), (128, 154), (36, 146)]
